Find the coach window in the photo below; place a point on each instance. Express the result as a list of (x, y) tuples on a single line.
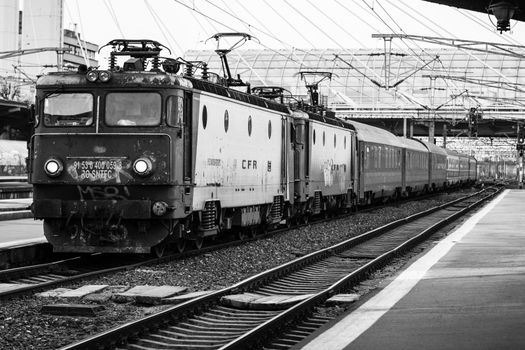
[(226, 121), (68, 109), (133, 109), (250, 125), (174, 110)]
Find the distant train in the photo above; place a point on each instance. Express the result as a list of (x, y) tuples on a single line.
[(134, 160)]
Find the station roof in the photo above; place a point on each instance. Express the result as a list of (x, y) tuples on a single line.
[(452, 82), (13, 111), (479, 6)]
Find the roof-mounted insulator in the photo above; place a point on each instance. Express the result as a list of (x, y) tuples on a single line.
[(142, 49), (205, 71)]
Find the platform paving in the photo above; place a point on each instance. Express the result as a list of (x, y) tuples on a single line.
[(466, 293)]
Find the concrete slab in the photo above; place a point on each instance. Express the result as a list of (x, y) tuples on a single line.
[(240, 301), (185, 297), (277, 302), (255, 301), (342, 299), (83, 291), (106, 294), (53, 293), (72, 309), (154, 295), (8, 287), (130, 294)]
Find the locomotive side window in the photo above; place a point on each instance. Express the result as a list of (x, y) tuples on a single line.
[(314, 137), (204, 117), (269, 129), (174, 110), (133, 108), (226, 121), (250, 125), (68, 109)]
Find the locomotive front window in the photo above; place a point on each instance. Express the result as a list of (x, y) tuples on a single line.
[(133, 108), (68, 109)]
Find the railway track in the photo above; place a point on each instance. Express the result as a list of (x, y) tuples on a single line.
[(59, 270), (247, 315), (35, 277)]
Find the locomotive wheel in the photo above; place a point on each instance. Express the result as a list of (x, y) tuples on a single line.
[(305, 219), (198, 242), (181, 245), (252, 231), (241, 234), (159, 250)]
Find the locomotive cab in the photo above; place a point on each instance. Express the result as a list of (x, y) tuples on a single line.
[(110, 158)]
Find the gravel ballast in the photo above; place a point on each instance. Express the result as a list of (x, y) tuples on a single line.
[(23, 326)]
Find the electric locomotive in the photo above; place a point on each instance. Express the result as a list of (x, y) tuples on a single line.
[(133, 160)]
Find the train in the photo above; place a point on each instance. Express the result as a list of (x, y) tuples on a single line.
[(143, 160)]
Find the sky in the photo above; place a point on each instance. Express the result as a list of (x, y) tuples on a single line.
[(278, 24)]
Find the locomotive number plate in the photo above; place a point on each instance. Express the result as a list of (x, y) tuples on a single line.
[(99, 170)]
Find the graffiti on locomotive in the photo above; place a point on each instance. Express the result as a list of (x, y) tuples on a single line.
[(103, 170)]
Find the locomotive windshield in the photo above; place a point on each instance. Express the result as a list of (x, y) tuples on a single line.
[(68, 109), (133, 108)]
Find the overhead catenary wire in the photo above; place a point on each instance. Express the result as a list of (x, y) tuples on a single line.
[(241, 58), (162, 27), (302, 35), (409, 47), (113, 15), (337, 24), (277, 52), (83, 47), (484, 63)]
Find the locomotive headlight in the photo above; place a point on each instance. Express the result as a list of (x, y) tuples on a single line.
[(104, 76), (159, 208), (53, 167), (142, 166), (92, 76)]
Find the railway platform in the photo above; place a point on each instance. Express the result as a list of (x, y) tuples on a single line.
[(16, 233), (16, 224), (18, 208), (465, 293)]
